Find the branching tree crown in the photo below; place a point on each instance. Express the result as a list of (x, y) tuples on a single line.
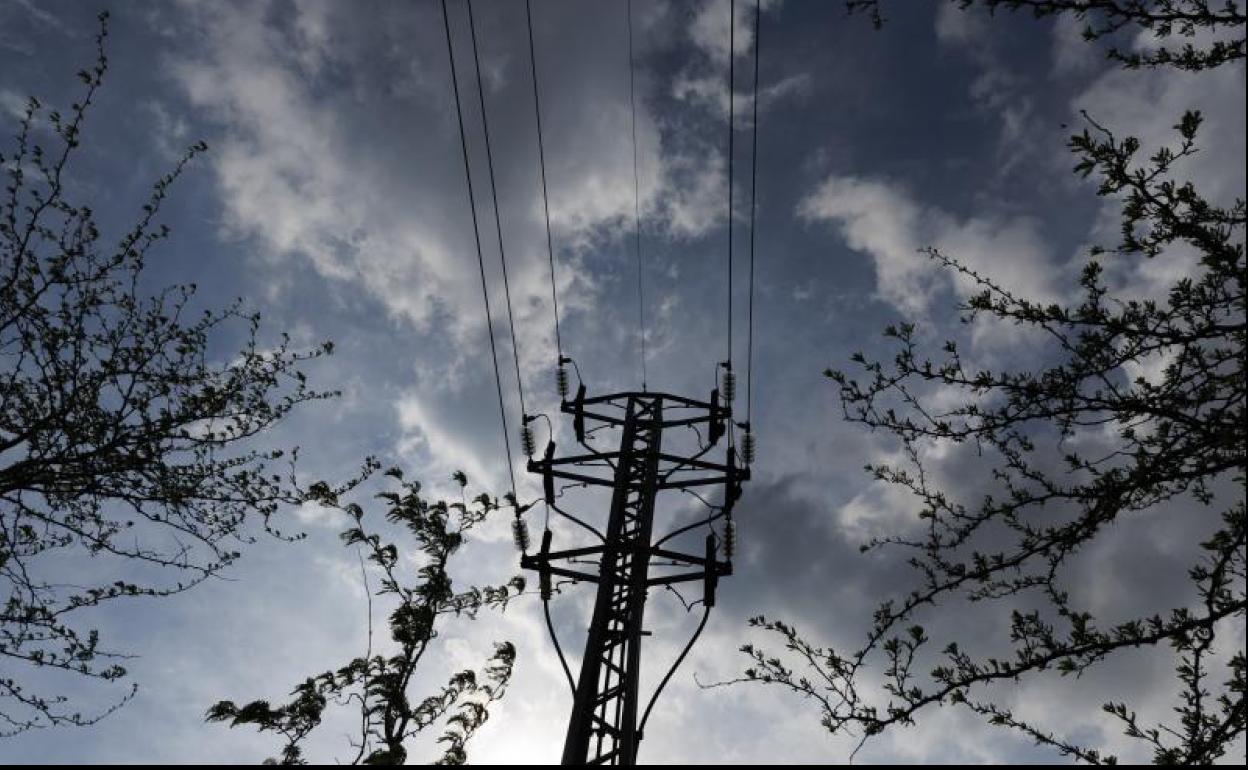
[(378, 685), (122, 442), (1178, 443)]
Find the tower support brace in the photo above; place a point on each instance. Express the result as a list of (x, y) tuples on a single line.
[(603, 727)]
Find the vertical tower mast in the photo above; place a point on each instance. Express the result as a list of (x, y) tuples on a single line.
[(604, 726), (606, 694)]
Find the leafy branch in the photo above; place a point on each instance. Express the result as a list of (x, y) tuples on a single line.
[(1177, 439), (378, 684), (121, 439)]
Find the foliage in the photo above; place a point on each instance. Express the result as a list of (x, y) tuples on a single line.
[(125, 448), (1188, 34), (378, 684), (1178, 444)]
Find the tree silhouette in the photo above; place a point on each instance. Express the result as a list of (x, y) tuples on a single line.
[(126, 462), (378, 684), (1177, 444)]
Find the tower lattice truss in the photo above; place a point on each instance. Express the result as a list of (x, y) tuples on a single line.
[(604, 727)]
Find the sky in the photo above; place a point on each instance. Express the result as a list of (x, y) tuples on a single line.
[(333, 201)]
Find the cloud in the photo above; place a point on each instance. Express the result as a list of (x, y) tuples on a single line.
[(171, 132), (1072, 54), (962, 27), (289, 179), (696, 163), (997, 91), (587, 197), (359, 177), (708, 30), (710, 91), (439, 450), (705, 80), (41, 15), (339, 187), (12, 104), (1147, 104), (884, 221)]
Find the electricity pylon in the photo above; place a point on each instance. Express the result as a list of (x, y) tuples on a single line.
[(604, 726)]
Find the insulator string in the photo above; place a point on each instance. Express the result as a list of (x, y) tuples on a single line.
[(476, 232)]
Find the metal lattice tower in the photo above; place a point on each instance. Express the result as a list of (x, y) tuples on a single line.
[(604, 726)]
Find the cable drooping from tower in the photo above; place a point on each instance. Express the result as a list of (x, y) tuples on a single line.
[(498, 226), (749, 365), (476, 232), (541, 156)]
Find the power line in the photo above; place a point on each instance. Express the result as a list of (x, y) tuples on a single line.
[(732, 18), (476, 232), (498, 226), (749, 364), (603, 727), (541, 154), (554, 296), (632, 100)]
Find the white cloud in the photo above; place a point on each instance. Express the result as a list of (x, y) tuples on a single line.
[(709, 90), (316, 515), (588, 196), (709, 30), (703, 202), (439, 450), (997, 91), (695, 198), (880, 510), (704, 82), (884, 221), (40, 15), (287, 182), (1147, 104), (296, 180), (171, 132), (12, 103), (875, 218), (1071, 53), (962, 27)]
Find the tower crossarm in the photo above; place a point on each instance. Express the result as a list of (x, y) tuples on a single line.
[(629, 561)]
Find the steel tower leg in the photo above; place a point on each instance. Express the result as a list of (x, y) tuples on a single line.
[(603, 727)]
